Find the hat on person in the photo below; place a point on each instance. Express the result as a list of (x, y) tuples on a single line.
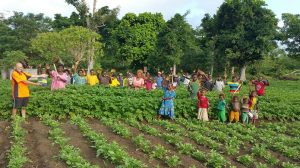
[(120, 74)]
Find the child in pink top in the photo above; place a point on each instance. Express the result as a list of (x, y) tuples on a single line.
[(59, 78), (148, 82)]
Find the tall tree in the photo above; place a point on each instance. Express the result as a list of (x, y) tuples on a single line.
[(17, 31), (95, 19), (71, 45), (244, 31), (136, 36), (176, 44), (205, 35), (291, 34)]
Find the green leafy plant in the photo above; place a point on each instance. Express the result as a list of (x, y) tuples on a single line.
[(173, 161), (17, 153), (70, 154), (159, 152), (246, 160)]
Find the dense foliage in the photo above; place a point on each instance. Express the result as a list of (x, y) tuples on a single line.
[(241, 33), (279, 102)]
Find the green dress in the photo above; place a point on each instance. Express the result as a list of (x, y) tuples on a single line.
[(222, 111), (194, 88)]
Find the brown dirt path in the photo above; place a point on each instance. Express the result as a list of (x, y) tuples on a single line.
[(4, 142), (79, 141), (125, 143), (40, 150)]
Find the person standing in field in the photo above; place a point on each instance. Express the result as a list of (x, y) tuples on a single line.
[(194, 86), (69, 76), (260, 86), (167, 106), (203, 105), (129, 79), (245, 110), (92, 78), (20, 90), (219, 85), (121, 79), (43, 80), (253, 107), (148, 82), (234, 110), (159, 80), (79, 79), (234, 85), (114, 81), (138, 81), (59, 78), (104, 79), (222, 108)]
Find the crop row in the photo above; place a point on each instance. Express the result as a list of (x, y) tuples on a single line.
[(70, 154), (111, 151), (155, 151), (211, 158), (17, 153), (265, 138)]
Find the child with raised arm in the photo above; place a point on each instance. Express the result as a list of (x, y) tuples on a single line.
[(167, 106)]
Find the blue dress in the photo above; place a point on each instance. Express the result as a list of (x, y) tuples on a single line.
[(167, 106)]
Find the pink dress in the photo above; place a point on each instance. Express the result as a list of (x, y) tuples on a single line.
[(138, 83), (148, 84), (58, 83)]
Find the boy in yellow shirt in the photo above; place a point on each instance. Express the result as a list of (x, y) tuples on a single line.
[(92, 78)]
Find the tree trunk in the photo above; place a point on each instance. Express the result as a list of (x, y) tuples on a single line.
[(90, 64), (4, 74), (232, 71), (94, 7), (243, 73), (211, 70), (91, 55), (225, 74), (174, 69)]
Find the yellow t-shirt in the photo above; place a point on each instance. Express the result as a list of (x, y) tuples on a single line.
[(92, 79), (114, 83), (254, 102)]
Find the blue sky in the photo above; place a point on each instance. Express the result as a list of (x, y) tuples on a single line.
[(168, 7)]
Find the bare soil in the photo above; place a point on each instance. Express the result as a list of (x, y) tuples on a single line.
[(40, 150), (86, 150), (4, 142), (127, 144)]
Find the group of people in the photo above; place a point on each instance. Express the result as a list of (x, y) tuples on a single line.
[(197, 84), (245, 110), (62, 77)]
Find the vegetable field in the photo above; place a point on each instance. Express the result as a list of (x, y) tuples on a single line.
[(85, 127)]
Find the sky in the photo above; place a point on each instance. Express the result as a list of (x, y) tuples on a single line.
[(167, 7)]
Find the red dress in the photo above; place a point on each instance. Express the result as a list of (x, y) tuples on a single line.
[(202, 101)]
